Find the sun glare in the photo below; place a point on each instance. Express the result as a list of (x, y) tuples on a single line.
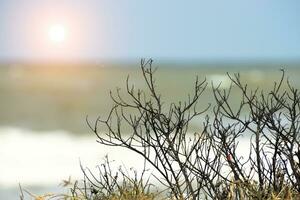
[(57, 33)]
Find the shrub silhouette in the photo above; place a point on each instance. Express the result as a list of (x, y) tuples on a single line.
[(208, 163)]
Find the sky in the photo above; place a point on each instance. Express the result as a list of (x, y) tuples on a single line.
[(131, 29)]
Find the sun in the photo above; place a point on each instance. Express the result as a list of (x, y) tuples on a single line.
[(57, 33)]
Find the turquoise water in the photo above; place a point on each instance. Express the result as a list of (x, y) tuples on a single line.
[(59, 97)]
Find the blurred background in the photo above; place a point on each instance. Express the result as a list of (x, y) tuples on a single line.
[(59, 59)]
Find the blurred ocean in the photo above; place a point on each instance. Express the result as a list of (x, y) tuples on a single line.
[(43, 133)]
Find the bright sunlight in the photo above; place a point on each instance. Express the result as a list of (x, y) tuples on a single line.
[(57, 33)]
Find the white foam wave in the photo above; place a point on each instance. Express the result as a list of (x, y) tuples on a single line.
[(44, 159), (34, 158), (221, 80)]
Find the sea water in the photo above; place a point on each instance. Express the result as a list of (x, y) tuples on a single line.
[(43, 133)]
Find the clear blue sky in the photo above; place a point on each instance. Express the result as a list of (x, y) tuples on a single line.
[(130, 29)]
